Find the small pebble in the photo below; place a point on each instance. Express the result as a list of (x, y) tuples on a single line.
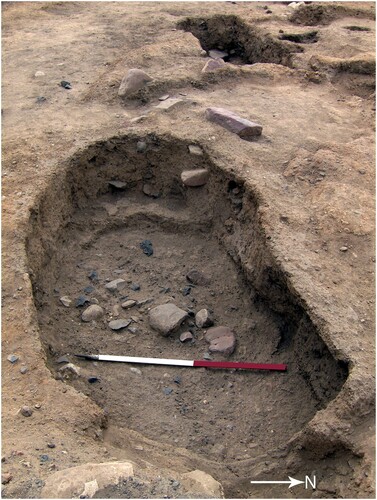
[(177, 380), (6, 477), (51, 445), (26, 411), (23, 370), (89, 289), (119, 324), (164, 97), (92, 380), (44, 458), (135, 287), (186, 291), (132, 329), (141, 147), (93, 312), (207, 356), (12, 358), (66, 301), (128, 304), (117, 185), (167, 391), (147, 247), (175, 484), (343, 249), (186, 336), (135, 370)]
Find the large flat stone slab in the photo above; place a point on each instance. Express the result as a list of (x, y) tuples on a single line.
[(83, 481)]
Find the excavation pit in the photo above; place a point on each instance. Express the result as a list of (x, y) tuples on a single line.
[(86, 231), (245, 44)]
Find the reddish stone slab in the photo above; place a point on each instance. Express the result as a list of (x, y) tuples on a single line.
[(243, 128)]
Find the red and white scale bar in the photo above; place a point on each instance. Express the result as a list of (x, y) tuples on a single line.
[(183, 362)]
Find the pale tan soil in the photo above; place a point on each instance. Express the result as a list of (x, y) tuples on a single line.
[(285, 241)]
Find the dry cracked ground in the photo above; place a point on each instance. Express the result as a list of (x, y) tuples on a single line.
[(282, 231)]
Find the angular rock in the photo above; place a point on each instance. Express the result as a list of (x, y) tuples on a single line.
[(23, 370), (81, 301), (117, 284), (6, 477), (12, 358), (136, 370), (66, 301), (134, 80), (147, 247), (119, 324), (218, 54), (93, 312), (197, 278), (169, 104), (203, 484), (221, 339), (166, 318), (245, 129), (71, 483), (203, 319), (26, 411), (129, 303), (195, 178), (186, 336), (141, 146), (164, 97), (195, 150), (213, 65)]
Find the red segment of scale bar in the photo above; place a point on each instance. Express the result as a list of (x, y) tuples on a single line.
[(240, 365)]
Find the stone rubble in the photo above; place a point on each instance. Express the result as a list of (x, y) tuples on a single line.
[(93, 312), (221, 339)]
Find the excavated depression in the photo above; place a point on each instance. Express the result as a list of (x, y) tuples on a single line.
[(85, 232)]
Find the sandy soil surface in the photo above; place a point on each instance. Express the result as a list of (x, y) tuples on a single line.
[(283, 231)]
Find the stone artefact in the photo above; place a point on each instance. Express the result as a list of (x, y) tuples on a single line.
[(213, 65), (117, 284), (245, 129), (166, 318), (134, 80), (203, 319), (80, 482), (221, 339), (195, 178), (93, 312)]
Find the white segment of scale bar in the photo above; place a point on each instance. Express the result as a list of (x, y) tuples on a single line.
[(148, 361)]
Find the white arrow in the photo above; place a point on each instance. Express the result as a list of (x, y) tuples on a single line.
[(292, 482)]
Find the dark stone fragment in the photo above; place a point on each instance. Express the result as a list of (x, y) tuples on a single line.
[(135, 287), (92, 380), (186, 291), (93, 276), (51, 445), (41, 99), (177, 380), (65, 85), (44, 458), (167, 391), (147, 248), (81, 301), (89, 289)]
